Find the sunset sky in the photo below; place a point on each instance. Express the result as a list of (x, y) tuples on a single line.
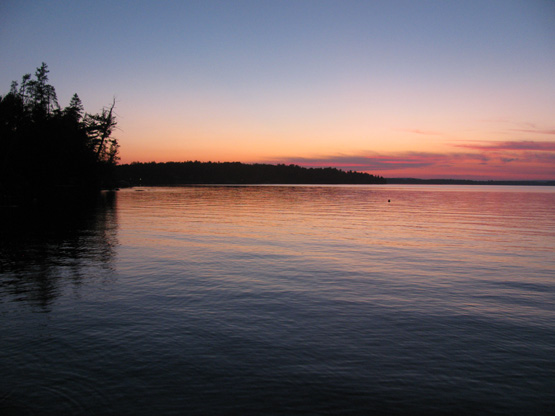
[(426, 89)]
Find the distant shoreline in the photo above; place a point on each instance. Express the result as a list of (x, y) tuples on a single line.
[(236, 173), (415, 181)]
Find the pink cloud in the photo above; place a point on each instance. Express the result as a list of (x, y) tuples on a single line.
[(509, 145), (488, 160), (521, 126), (536, 131)]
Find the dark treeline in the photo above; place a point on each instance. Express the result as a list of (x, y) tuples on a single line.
[(178, 173), (414, 181), (48, 151)]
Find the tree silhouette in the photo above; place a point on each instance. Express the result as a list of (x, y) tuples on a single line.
[(180, 173), (99, 128), (75, 109), (48, 151), (42, 94)]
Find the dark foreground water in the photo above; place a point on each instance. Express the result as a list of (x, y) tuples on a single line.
[(281, 300)]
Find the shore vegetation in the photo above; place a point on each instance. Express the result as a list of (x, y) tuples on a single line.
[(50, 152)]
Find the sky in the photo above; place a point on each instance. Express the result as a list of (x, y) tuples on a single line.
[(423, 89)]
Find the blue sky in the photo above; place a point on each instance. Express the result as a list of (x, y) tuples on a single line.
[(453, 87)]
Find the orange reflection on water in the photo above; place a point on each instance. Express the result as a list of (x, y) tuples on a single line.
[(343, 224)]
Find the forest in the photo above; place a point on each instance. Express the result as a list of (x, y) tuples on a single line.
[(49, 152), (181, 173)]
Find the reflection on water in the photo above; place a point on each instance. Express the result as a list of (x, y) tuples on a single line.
[(45, 250), (283, 300)]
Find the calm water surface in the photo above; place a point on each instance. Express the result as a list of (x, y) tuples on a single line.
[(282, 300)]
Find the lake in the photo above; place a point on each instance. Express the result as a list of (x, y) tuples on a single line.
[(281, 300)]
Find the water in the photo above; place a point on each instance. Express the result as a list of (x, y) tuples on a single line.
[(282, 300)]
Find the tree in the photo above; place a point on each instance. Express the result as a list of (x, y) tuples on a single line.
[(100, 128), (42, 95), (75, 109)]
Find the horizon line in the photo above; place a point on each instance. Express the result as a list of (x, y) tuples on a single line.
[(373, 174)]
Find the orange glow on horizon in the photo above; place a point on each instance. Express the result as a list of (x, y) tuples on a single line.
[(395, 165), (379, 150)]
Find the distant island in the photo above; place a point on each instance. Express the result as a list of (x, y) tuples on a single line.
[(194, 172)]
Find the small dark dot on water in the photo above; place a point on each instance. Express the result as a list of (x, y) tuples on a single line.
[(389, 200)]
